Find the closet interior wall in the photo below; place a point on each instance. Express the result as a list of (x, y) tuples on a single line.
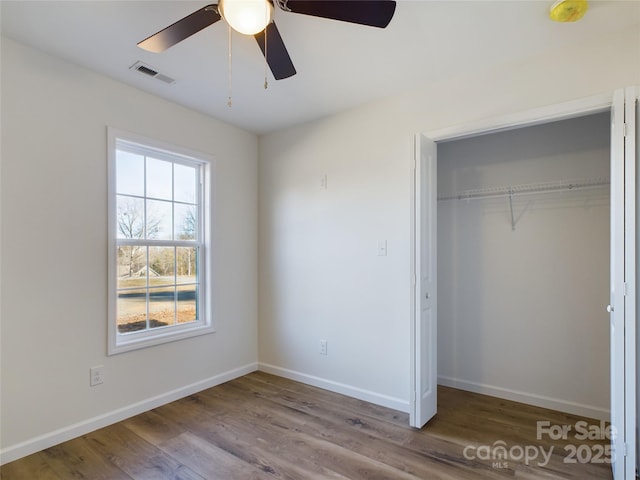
[(523, 278)]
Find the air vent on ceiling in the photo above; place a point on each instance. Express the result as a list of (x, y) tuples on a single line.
[(151, 72)]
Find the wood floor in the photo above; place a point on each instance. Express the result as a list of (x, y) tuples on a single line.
[(266, 427)]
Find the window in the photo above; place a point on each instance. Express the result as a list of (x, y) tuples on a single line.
[(159, 266)]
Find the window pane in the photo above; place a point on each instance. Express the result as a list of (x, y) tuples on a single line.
[(184, 183), (159, 220), (186, 261), (129, 173), (130, 217), (186, 223), (187, 311), (162, 266), (131, 269), (159, 182), (132, 310), (162, 306), (158, 252)]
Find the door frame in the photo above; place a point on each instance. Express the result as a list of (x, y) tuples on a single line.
[(561, 111)]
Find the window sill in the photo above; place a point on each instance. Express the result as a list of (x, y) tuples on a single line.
[(125, 343)]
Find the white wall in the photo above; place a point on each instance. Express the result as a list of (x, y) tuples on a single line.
[(54, 252), (521, 313), (319, 276)]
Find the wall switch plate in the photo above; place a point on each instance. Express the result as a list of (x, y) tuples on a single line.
[(382, 248), (96, 375), (323, 182), (323, 347)]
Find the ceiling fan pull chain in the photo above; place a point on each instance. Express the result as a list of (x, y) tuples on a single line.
[(229, 101), (266, 62)]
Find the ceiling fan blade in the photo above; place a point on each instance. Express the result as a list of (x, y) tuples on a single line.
[(276, 53), (374, 13), (175, 33)]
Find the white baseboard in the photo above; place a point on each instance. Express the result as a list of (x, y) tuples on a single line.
[(50, 439), (344, 389), (529, 398)]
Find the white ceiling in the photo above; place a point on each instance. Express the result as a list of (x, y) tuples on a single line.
[(339, 65)]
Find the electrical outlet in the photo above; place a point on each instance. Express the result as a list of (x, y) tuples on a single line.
[(323, 347), (96, 375)]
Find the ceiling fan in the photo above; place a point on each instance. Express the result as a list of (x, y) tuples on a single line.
[(254, 17)]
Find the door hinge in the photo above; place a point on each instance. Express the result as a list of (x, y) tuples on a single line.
[(624, 129), (624, 289)]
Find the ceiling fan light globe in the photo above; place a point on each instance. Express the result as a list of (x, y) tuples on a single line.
[(246, 16)]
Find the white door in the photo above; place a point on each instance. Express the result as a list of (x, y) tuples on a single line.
[(616, 306), (623, 284), (632, 418), (424, 335), (630, 259)]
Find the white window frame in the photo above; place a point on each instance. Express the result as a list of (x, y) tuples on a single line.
[(124, 342)]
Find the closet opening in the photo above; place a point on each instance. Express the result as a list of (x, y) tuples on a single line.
[(523, 255)]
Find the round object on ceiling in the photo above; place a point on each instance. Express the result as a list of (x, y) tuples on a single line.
[(568, 10)]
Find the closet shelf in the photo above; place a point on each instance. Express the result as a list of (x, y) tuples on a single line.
[(528, 189)]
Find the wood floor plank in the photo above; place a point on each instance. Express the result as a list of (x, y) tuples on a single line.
[(303, 447), (362, 407), (76, 459), (152, 427), (210, 461), (261, 427), (271, 450), (232, 436), (34, 466), (137, 457)]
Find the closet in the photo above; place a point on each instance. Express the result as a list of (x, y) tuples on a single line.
[(524, 262)]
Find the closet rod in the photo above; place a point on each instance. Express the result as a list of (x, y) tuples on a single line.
[(534, 188)]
